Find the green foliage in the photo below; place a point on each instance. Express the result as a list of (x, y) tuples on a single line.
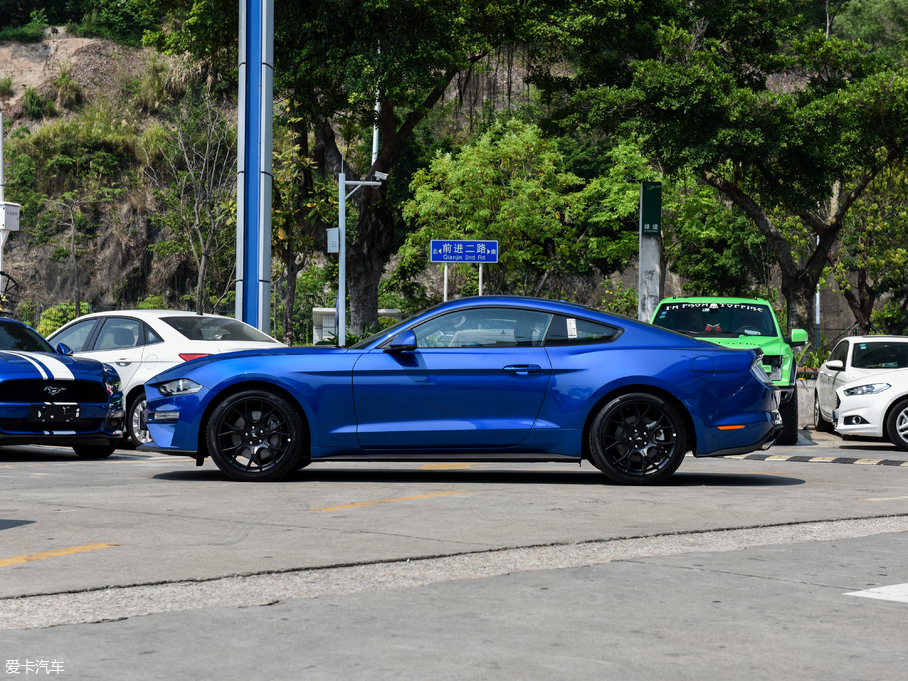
[(36, 105), (31, 32), (26, 311), (152, 302), (54, 317), (149, 93), (6, 85), (124, 21), (882, 24), (509, 185), (68, 92), (619, 299)]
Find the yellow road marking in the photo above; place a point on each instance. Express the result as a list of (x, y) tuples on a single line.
[(884, 499), (386, 501), (445, 466), (29, 557), (824, 458), (777, 457), (868, 460)]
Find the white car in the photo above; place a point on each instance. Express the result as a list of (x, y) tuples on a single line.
[(862, 389), (143, 343)]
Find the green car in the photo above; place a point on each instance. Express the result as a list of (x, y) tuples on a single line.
[(743, 323)]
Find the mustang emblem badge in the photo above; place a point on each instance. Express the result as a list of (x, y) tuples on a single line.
[(53, 390)]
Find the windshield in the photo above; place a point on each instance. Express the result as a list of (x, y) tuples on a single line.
[(880, 355), (19, 337), (717, 319), (200, 328)]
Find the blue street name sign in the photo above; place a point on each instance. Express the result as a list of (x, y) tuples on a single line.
[(449, 250)]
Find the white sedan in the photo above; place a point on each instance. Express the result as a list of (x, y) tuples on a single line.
[(143, 343), (862, 389)]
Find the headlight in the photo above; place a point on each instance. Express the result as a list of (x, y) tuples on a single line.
[(181, 386), (111, 380), (869, 389), (757, 370)]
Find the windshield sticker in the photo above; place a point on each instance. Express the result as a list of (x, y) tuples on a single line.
[(863, 346), (572, 328)]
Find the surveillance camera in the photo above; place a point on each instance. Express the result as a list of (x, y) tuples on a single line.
[(381, 176)]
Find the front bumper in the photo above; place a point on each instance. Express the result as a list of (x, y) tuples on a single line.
[(860, 415)]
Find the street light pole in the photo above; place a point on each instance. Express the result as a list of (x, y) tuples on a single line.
[(342, 184)]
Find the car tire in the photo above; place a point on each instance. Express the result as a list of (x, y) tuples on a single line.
[(94, 451), (638, 439), (134, 432), (255, 436), (789, 413), (897, 425), (820, 424)]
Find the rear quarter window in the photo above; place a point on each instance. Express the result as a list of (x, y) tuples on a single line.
[(215, 329), (566, 330)]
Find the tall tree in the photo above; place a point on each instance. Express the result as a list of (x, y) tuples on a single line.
[(789, 124), (334, 59)]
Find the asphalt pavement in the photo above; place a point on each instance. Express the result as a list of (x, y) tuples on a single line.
[(148, 567)]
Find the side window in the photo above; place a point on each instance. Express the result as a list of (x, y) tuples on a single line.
[(118, 332), (840, 352), (484, 327), (76, 335), (574, 331), (151, 337)]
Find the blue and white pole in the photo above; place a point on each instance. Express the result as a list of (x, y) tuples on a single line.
[(253, 224)]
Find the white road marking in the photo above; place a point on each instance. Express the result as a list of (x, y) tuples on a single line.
[(896, 592)]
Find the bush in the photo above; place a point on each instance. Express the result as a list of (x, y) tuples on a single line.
[(68, 92), (32, 32), (6, 85), (36, 105), (55, 317), (121, 20)]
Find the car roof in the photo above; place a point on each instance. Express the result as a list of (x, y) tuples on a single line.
[(864, 339), (714, 299), (150, 314)]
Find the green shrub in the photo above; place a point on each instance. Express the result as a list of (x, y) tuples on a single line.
[(6, 85), (55, 317), (68, 92), (152, 303), (121, 20), (36, 105), (32, 32)]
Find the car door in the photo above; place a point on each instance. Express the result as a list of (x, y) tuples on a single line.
[(120, 343), (476, 379), (827, 378), (75, 335)]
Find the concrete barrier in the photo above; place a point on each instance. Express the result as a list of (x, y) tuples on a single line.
[(806, 389)]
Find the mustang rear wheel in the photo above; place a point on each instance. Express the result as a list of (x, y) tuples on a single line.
[(897, 425), (255, 435), (638, 439)]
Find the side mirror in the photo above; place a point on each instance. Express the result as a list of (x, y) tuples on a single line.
[(798, 337), (405, 340), (835, 364), (64, 349)]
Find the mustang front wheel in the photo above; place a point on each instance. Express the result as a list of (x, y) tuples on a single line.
[(255, 435), (638, 439)]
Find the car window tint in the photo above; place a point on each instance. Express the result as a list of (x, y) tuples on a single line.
[(76, 335), (200, 328), (151, 337), (20, 337), (484, 327), (840, 352), (118, 332), (571, 330), (880, 355)]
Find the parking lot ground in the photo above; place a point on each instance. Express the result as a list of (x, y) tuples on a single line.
[(458, 571)]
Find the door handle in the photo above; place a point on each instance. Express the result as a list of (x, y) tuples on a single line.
[(123, 362), (523, 369)]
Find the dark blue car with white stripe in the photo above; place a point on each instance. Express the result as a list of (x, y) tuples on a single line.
[(51, 398), (477, 379)]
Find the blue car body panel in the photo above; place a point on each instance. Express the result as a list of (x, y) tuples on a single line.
[(44, 378), (534, 400)]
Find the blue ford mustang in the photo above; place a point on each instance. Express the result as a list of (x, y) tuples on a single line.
[(476, 379), (50, 398)]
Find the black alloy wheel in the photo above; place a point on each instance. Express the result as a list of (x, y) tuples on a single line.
[(255, 435), (638, 439)]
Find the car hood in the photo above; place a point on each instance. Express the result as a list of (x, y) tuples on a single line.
[(47, 366), (184, 368), (897, 378), (768, 344)]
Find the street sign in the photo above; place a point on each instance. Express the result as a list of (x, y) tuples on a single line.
[(455, 251), (650, 208)]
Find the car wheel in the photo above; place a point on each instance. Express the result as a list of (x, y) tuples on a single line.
[(255, 435), (897, 425), (820, 424), (94, 451), (789, 413), (638, 439), (133, 422)]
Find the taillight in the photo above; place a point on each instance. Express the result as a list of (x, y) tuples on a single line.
[(186, 356)]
